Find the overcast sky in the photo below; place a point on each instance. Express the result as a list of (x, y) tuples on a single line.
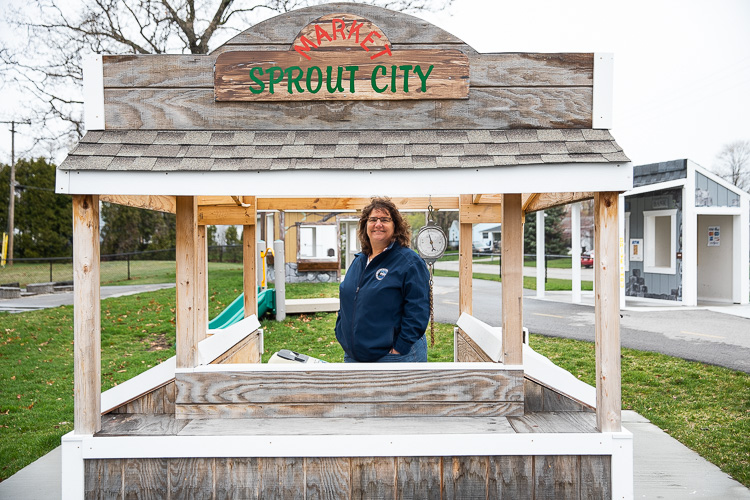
[(682, 67)]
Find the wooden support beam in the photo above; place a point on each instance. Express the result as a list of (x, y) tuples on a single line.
[(151, 202), (512, 276), (201, 285), (476, 198), (226, 215), (87, 328), (543, 201), (249, 274), (607, 312), (187, 277), (474, 213), (465, 272), (331, 204)]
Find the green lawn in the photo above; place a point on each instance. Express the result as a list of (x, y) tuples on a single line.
[(705, 407), (529, 282)]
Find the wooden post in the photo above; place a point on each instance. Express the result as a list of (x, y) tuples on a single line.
[(541, 263), (201, 285), (512, 276), (187, 278), (249, 275), (87, 326), (465, 248), (575, 240), (607, 312)]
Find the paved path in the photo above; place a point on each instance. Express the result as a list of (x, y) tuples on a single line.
[(493, 267), (35, 302)]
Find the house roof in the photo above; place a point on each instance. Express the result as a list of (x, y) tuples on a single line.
[(247, 150), (654, 173)]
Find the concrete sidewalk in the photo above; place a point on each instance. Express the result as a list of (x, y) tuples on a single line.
[(663, 469)]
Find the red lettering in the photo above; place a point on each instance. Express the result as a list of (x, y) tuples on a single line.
[(320, 33), (355, 27), (340, 29), (385, 51), (369, 39), (307, 46)]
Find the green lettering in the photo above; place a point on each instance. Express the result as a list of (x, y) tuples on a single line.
[(423, 77), (338, 87), (319, 79), (271, 80), (406, 68), (393, 78), (259, 70), (291, 79), (374, 79), (352, 70)]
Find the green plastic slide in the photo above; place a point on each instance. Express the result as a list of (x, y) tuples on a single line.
[(236, 310)]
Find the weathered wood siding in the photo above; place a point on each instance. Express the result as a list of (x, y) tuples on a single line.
[(386, 393), (480, 477), (506, 90)]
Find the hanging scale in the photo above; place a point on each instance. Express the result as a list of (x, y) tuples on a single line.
[(431, 245)]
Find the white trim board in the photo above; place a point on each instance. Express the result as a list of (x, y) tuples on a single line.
[(93, 92), (346, 367), (603, 99), (648, 188), (537, 178)]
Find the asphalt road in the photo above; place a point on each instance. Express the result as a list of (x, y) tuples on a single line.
[(696, 335)]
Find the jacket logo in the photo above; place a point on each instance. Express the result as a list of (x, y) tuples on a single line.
[(380, 274)]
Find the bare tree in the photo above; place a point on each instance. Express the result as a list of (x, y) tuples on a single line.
[(44, 60), (734, 164)]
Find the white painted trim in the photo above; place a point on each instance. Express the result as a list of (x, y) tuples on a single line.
[(575, 231), (539, 178), (689, 243), (455, 344), (624, 247), (718, 180), (648, 241), (488, 338), (604, 65), (214, 346), (344, 367), (142, 383), (743, 235), (93, 92), (648, 188), (73, 474), (354, 445), (717, 210), (544, 371), (623, 471), (540, 251)]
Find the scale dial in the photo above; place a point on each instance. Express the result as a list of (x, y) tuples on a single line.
[(431, 242)]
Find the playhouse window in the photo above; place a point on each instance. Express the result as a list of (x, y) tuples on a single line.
[(659, 240), (318, 242)]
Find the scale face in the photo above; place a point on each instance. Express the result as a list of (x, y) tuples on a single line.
[(431, 242)]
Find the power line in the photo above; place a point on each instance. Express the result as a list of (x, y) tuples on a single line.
[(12, 201)]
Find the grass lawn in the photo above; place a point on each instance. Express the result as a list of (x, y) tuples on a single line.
[(529, 282), (705, 407)]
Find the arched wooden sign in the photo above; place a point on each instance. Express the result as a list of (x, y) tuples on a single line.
[(341, 57)]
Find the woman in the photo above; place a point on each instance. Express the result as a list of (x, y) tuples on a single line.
[(385, 295)]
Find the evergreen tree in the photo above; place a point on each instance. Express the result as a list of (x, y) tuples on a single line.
[(555, 242), (231, 236), (128, 229)]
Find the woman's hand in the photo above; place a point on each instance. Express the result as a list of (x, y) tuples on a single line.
[(393, 351)]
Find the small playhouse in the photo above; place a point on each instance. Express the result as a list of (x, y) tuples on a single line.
[(316, 110)]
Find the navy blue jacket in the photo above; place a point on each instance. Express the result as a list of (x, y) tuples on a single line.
[(383, 305)]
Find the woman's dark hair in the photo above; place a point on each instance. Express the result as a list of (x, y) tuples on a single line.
[(401, 229)]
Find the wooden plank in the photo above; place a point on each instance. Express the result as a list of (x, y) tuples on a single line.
[(533, 396), (201, 285), (475, 213), (512, 276), (469, 351), (317, 266), (187, 241), (274, 76), (543, 201), (465, 273), (465, 478), (102, 479), (237, 478), (556, 477), (138, 424), (529, 69), (554, 422), (282, 478), (511, 477), (328, 386), (249, 273), (346, 409), (87, 328), (418, 477), (145, 478), (246, 351), (491, 108), (554, 401), (150, 202), (607, 312), (373, 477), (333, 204), (327, 478), (596, 476), (169, 395), (350, 27), (191, 478), (226, 215)]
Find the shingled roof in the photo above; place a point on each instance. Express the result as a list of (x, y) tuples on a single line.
[(174, 151)]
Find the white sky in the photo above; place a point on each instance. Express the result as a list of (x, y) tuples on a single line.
[(682, 67)]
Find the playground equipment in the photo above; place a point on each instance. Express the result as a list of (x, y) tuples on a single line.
[(236, 310)]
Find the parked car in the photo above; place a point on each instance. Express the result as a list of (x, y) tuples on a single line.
[(482, 246), (587, 259)]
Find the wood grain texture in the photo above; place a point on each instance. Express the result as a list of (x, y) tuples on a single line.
[(418, 477), (244, 76), (511, 478), (201, 284), (469, 351), (475, 213), (554, 401), (146, 478), (489, 108), (246, 351), (373, 477), (348, 30), (249, 271), (226, 215), (554, 422), (556, 477), (102, 479), (465, 265), (533, 396), (349, 203), (327, 478), (607, 312), (347, 409), (543, 201), (236, 478), (191, 478), (373, 387), (151, 202), (282, 478), (139, 424), (596, 476), (150, 403), (87, 328), (465, 478), (512, 275), (186, 344)]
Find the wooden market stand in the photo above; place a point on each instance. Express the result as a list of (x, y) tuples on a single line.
[(494, 136)]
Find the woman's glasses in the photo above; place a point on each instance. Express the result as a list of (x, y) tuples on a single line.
[(374, 220)]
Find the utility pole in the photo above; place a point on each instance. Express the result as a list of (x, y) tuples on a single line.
[(12, 201)]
